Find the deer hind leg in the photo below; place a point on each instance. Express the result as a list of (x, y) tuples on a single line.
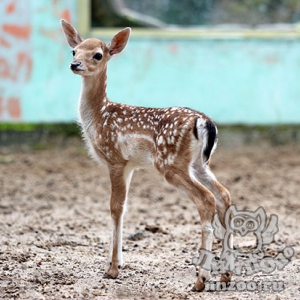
[(223, 202), (120, 177), (205, 203)]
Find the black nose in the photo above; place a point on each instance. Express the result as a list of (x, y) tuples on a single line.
[(74, 65)]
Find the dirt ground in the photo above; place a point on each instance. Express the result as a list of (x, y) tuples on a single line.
[(55, 225)]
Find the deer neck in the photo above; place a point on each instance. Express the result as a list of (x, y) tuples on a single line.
[(93, 97)]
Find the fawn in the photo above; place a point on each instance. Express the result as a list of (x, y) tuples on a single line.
[(178, 142)]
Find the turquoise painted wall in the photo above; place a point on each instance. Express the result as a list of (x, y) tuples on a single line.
[(34, 62), (249, 81), (252, 81)]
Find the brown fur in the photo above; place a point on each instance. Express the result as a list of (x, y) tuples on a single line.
[(171, 140)]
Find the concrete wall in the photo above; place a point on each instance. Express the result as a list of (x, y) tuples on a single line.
[(234, 80)]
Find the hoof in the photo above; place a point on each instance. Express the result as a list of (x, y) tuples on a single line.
[(204, 276), (200, 283), (198, 287), (111, 273), (226, 277)]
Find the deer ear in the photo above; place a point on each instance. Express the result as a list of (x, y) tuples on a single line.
[(119, 41), (72, 36)]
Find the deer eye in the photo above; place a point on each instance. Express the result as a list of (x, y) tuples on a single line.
[(98, 56), (73, 53)]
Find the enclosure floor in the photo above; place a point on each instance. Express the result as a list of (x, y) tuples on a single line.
[(55, 225)]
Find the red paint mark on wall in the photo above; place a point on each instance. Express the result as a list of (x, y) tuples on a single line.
[(16, 59), (16, 62), (12, 69), (18, 31), (174, 48), (53, 34), (14, 108), (1, 106), (4, 68), (25, 61), (11, 7), (271, 59), (10, 106), (4, 43), (65, 14)]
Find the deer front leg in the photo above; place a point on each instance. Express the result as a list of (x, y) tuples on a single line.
[(120, 179)]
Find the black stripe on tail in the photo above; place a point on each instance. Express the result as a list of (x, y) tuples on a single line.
[(211, 138), (196, 129)]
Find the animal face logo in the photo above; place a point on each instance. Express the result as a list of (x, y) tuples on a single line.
[(243, 222)]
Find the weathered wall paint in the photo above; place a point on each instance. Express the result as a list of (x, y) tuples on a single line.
[(34, 61), (15, 57), (250, 81)]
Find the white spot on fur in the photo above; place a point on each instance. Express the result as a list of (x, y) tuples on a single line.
[(160, 140)]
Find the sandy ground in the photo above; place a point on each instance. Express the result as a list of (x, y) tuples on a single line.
[(55, 225)]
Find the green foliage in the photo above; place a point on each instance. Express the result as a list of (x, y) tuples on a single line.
[(66, 129)]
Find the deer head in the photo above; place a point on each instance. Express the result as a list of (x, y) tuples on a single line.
[(90, 56)]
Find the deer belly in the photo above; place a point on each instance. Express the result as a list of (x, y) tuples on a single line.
[(139, 149)]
